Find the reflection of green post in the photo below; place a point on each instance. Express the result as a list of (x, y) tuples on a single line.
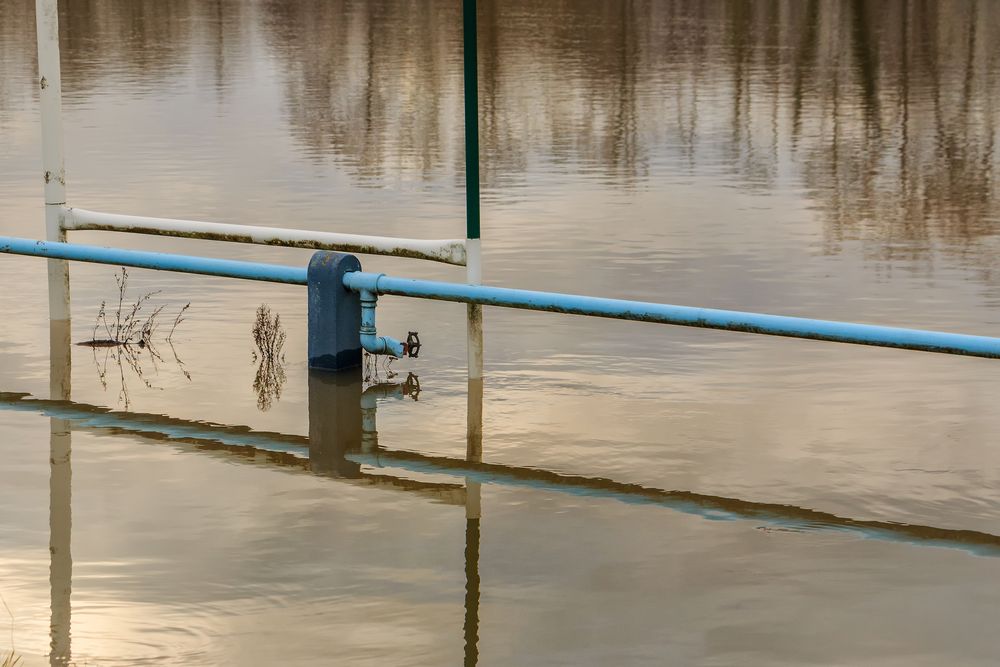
[(471, 592), (60, 497), (473, 516), (474, 266)]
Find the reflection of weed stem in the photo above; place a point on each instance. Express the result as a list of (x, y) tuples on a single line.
[(269, 339), (11, 659)]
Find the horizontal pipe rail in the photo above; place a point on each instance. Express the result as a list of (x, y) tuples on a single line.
[(708, 318), (449, 251), (729, 320), (227, 268)]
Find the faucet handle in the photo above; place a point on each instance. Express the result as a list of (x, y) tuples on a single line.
[(411, 347)]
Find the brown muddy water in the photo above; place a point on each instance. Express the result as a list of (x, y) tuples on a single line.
[(647, 494)]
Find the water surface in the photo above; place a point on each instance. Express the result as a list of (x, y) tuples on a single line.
[(648, 494)]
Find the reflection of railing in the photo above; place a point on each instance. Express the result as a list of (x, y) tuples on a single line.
[(237, 442), (355, 450)]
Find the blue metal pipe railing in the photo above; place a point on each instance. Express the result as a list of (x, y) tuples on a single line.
[(375, 283), (155, 260), (730, 320)]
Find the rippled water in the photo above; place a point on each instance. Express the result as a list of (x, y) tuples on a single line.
[(648, 494)]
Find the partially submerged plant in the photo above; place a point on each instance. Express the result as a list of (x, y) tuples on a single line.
[(128, 334), (127, 326), (269, 339)]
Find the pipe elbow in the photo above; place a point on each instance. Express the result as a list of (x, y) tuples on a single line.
[(370, 341), (381, 345)]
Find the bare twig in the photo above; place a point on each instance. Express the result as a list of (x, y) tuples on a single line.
[(177, 320), (122, 282), (131, 321)]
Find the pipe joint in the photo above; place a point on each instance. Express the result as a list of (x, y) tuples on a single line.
[(370, 340)]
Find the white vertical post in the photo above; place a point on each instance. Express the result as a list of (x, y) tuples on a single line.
[(53, 167), (474, 318)]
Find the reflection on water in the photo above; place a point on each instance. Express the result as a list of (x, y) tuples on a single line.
[(60, 498), (121, 364), (473, 519), (343, 444), (885, 109), (754, 154), (269, 355), (343, 437), (884, 112)]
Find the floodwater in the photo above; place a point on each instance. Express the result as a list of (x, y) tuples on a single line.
[(647, 494)]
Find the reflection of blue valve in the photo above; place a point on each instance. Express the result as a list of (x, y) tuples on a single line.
[(411, 386), (411, 347)]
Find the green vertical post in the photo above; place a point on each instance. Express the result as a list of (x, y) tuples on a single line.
[(471, 119)]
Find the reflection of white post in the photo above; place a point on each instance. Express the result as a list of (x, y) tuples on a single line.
[(60, 497), (474, 446), (54, 171)]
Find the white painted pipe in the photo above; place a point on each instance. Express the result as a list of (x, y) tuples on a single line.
[(53, 164), (449, 251)]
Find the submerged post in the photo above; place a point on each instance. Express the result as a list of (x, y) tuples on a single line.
[(334, 313), (54, 171), (473, 265)]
